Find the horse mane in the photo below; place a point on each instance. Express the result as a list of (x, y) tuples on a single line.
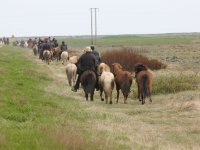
[(140, 67), (103, 67)]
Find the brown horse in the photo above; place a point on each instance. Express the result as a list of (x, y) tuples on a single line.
[(57, 53), (88, 82), (144, 80), (47, 56), (35, 49), (123, 81)]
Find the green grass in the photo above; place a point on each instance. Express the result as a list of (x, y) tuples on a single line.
[(131, 40), (174, 84), (33, 118)]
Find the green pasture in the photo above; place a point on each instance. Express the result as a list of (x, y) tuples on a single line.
[(131, 40)]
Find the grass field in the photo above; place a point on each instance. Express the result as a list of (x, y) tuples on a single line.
[(39, 111), (132, 40)]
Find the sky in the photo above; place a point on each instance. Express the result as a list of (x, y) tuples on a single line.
[(73, 17)]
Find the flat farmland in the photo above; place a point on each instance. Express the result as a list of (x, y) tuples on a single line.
[(39, 110)]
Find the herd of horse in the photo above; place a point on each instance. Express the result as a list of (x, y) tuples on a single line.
[(108, 78)]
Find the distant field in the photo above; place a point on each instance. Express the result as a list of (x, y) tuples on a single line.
[(132, 40)]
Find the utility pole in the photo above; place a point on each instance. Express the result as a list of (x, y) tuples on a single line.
[(95, 11), (92, 41), (95, 21)]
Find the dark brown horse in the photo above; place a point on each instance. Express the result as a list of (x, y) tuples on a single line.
[(144, 79), (57, 53), (88, 82), (123, 80)]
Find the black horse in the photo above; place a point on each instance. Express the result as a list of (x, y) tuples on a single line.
[(88, 82)]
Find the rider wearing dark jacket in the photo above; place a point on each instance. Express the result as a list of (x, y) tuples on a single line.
[(86, 62), (63, 47), (96, 54)]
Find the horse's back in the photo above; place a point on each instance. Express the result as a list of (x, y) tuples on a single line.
[(88, 81), (141, 74), (106, 81)]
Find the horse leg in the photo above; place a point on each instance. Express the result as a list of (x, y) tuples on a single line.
[(101, 91), (86, 96), (91, 96), (125, 99), (106, 96), (143, 100), (150, 94), (139, 93), (150, 98), (111, 98), (117, 95)]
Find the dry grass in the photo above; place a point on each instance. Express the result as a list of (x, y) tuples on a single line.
[(170, 122)]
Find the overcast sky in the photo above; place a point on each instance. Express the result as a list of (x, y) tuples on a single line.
[(72, 17)]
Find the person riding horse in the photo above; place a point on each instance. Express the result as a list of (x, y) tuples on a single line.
[(86, 62), (96, 54), (63, 47)]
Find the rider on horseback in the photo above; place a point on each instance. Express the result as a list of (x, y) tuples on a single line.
[(86, 62)]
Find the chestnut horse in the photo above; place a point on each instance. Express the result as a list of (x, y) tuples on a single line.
[(88, 82), (123, 81), (57, 53), (144, 80)]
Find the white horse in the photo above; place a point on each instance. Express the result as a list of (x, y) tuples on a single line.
[(64, 57), (71, 73), (73, 59), (106, 82), (26, 45)]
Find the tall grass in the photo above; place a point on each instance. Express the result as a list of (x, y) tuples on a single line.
[(174, 84)]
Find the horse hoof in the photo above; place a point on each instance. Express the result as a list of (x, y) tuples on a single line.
[(110, 102), (102, 99)]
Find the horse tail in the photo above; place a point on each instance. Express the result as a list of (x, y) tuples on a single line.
[(126, 86), (145, 88)]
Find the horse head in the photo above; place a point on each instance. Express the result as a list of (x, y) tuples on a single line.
[(139, 67), (116, 68)]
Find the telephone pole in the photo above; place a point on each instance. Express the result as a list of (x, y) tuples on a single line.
[(92, 41), (93, 37)]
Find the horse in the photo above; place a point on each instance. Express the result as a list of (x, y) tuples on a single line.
[(71, 73), (144, 79), (57, 53), (64, 57), (88, 82), (123, 81), (73, 59), (35, 49), (47, 56), (26, 45), (106, 82)]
